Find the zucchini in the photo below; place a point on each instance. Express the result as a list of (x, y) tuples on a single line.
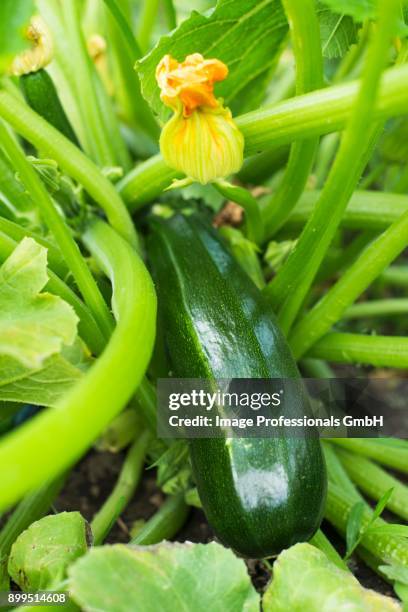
[(40, 94), (260, 495)]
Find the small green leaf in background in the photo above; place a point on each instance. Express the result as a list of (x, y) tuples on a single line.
[(380, 506), (245, 34), (40, 556), (166, 577), (358, 9), (354, 527), (33, 325), (337, 33), (14, 18), (304, 579)]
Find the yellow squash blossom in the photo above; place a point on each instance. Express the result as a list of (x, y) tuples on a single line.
[(201, 139), (41, 52)]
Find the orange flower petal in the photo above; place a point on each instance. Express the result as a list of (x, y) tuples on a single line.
[(190, 83)]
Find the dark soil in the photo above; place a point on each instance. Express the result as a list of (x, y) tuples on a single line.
[(94, 477)]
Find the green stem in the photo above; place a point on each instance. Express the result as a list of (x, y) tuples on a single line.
[(287, 291), (146, 400), (374, 210), (120, 432), (100, 395), (132, 44), (344, 257), (165, 524), (61, 232), (379, 351), (316, 113), (393, 456), (146, 23), (396, 275), (375, 482), (54, 256), (127, 91), (253, 220), (337, 474), (77, 165), (315, 368), (327, 150), (377, 308), (123, 491), (368, 266), (171, 15), (305, 32), (83, 74)]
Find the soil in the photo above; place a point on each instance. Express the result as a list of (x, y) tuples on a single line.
[(94, 477)]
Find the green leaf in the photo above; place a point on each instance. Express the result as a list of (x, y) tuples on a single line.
[(395, 572), (33, 325), (42, 387), (304, 579), (173, 469), (357, 9), (244, 34), (354, 527), (40, 556), (166, 577), (14, 18), (380, 506), (337, 33)]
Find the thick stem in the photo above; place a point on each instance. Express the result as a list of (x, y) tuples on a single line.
[(305, 32), (288, 291), (86, 410), (83, 75), (377, 308), (379, 351), (393, 454), (368, 210), (146, 21), (165, 524), (123, 491), (368, 266), (375, 482)]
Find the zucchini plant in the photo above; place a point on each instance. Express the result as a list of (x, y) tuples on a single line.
[(220, 193)]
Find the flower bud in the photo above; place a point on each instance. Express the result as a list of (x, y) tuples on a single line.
[(201, 139), (41, 52)]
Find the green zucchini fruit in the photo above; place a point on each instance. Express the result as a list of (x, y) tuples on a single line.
[(260, 495), (41, 95)]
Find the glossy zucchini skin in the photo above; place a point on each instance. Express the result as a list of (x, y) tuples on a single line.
[(41, 95), (260, 495)]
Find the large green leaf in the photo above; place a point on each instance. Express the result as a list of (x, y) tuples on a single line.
[(304, 579), (245, 34), (166, 577), (33, 325), (14, 18), (337, 32), (42, 387), (40, 556)]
